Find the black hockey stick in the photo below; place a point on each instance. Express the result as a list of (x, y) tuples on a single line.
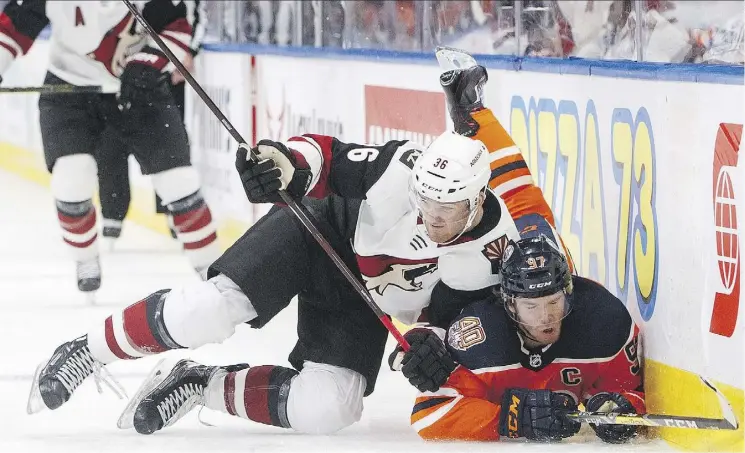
[(299, 210), (53, 89), (729, 420)]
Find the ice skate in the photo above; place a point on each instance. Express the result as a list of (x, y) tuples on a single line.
[(166, 396), (89, 275), (55, 381)]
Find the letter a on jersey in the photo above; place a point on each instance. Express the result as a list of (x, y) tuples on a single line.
[(79, 17)]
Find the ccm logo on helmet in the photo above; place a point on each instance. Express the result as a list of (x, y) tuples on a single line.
[(428, 187), (538, 285)]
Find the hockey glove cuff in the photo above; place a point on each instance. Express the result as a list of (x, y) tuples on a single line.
[(536, 415), (612, 403)]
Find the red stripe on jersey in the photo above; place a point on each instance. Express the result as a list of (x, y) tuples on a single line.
[(10, 49), (200, 244), (137, 329), (193, 220), (111, 340), (229, 393), (7, 28), (105, 51), (256, 394), (180, 25), (321, 189)]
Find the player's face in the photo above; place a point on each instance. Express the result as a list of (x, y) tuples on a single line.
[(444, 221), (541, 316)]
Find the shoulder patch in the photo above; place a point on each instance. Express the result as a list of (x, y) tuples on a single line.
[(465, 333), (409, 157)]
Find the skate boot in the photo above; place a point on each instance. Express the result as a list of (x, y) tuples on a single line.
[(165, 397), (112, 228), (55, 381), (464, 89), (89, 275)]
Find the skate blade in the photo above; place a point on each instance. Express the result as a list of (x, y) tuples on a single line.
[(450, 58), (157, 375), (90, 297), (35, 403)]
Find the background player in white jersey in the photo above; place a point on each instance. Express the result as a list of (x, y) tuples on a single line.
[(361, 197), (113, 153), (98, 43)]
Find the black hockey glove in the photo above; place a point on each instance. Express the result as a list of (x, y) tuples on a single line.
[(612, 403), (277, 168), (427, 365), (464, 91), (144, 82), (536, 415)]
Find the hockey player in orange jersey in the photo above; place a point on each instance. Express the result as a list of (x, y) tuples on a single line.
[(547, 341)]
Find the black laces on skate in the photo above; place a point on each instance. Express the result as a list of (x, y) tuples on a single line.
[(179, 402)]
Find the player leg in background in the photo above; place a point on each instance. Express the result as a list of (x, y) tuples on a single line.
[(113, 183), (157, 136), (178, 91), (70, 126), (339, 351)]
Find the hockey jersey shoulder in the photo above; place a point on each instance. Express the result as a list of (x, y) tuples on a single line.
[(598, 326), (483, 336)]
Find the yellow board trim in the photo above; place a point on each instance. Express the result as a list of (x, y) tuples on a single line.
[(669, 390)]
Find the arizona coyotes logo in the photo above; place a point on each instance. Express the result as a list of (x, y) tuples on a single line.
[(493, 251), (382, 272), (117, 45)]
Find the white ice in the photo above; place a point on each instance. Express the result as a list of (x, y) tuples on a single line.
[(41, 308)]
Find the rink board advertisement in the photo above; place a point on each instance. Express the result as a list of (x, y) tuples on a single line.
[(644, 178)]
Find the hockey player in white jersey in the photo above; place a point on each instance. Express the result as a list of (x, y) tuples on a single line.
[(99, 44), (404, 220)]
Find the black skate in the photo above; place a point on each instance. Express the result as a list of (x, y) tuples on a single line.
[(165, 397), (89, 275), (112, 228), (55, 381), (463, 82)]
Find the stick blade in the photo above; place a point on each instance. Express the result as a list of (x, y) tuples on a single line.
[(727, 412)]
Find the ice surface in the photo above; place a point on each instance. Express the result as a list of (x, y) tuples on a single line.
[(40, 308)]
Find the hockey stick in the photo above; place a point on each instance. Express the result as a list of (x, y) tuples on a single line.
[(729, 420), (53, 89), (299, 210)]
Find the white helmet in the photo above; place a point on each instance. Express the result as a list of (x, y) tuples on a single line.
[(453, 168)]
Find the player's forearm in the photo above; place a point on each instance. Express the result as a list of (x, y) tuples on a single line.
[(460, 418), (20, 24), (170, 22)]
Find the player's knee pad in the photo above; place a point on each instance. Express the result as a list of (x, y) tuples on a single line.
[(324, 398), (205, 312), (176, 183), (74, 177)]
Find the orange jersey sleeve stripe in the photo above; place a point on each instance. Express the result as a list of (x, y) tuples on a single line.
[(506, 160), (426, 406)]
